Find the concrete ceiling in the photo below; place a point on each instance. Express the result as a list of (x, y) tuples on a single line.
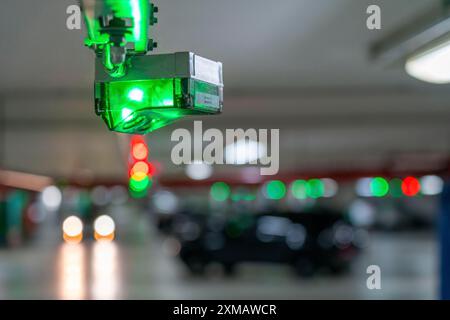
[(287, 43), (298, 65)]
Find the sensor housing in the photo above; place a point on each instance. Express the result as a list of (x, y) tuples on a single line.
[(157, 90)]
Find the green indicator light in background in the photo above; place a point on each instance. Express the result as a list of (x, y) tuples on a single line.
[(136, 94), (220, 191), (138, 194), (298, 189), (139, 185), (275, 190), (395, 188), (249, 197), (315, 188), (235, 197), (139, 188), (379, 187)]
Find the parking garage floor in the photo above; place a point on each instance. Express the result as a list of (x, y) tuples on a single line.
[(143, 268)]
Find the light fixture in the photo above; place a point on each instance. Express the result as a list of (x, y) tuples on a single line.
[(422, 46), (51, 198), (362, 187), (244, 151), (72, 229), (138, 93), (330, 187), (104, 228), (431, 185), (165, 201), (431, 65), (199, 170)]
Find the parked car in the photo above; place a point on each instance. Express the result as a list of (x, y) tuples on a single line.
[(315, 239)]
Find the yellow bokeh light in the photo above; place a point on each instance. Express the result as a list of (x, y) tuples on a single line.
[(72, 229), (104, 228)]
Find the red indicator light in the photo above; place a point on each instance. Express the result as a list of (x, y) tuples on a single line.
[(140, 151), (140, 166), (410, 186)]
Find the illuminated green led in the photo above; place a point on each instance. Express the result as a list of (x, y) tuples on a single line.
[(298, 189), (139, 185), (275, 190), (315, 188), (138, 106), (142, 106), (126, 114), (243, 196), (379, 187), (220, 191), (136, 94), (141, 93)]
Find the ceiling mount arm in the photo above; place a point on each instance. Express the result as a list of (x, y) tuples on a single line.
[(118, 30)]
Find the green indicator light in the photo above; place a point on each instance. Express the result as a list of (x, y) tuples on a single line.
[(298, 189), (379, 187), (136, 94), (235, 197), (141, 93), (139, 185), (138, 106), (138, 195), (249, 197), (395, 188), (220, 191), (143, 100), (142, 106), (139, 188), (275, 190), (243, 194), (315, 188)]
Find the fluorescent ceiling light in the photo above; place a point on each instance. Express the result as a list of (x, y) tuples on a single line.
[(244, 151), (199, 170), (51, 198), (422, 45), (432, 65), (431, 185)]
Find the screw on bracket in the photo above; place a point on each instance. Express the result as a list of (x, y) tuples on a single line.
[(153, 9), (152, 45)]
